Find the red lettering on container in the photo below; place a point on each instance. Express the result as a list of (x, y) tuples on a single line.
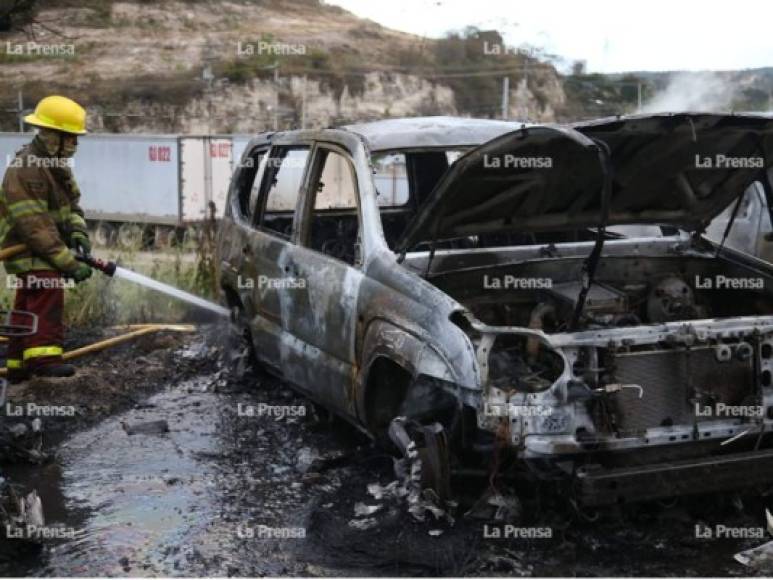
[(160, 153), (220, 150)]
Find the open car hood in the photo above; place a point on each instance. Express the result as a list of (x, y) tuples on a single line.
[(668, 169)]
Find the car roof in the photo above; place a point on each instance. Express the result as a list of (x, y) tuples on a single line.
[(408, 132), (424, 132), (419, 132)]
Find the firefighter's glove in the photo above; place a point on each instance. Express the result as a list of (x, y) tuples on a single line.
[(82, 272), (79, 241)]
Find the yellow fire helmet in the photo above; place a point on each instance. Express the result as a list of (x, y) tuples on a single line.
[(59, 113)]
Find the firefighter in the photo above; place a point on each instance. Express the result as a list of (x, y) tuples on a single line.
[(39, 207)]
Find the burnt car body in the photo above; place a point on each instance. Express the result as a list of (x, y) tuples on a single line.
[(473, 273)]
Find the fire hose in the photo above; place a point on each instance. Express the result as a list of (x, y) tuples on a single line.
[(135, 331), (107, 268), (141, 330)]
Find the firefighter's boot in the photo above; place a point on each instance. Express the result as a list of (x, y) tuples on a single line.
[(16, 376), (54, 370)]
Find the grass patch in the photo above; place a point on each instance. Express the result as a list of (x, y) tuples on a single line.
[(102, 301)]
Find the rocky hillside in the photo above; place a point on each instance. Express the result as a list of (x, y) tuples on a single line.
[(199, 66), (245, 66)]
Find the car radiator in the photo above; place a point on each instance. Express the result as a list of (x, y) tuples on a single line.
[(672, 382)]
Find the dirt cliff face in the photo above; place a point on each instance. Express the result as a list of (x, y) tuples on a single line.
[(296, 101), (537, 98), (210, 67), (261, 105)]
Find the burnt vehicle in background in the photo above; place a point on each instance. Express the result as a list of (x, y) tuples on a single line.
[(498, 282)]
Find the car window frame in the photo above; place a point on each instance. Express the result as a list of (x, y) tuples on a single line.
[(240, 173), (271, 170), (314, 173)]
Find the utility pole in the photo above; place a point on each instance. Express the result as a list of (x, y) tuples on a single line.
[(638, 96), (303, 104), (505, 97), (21, 111), (276, 104), (208, 76)]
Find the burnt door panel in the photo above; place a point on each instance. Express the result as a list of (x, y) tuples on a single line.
[(320, 301)]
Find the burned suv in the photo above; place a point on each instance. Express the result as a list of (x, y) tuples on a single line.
[(537, 291)]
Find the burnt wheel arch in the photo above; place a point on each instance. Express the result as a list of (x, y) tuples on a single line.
[(386, 386)]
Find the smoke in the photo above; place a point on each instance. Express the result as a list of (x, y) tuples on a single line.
[(693, 91)]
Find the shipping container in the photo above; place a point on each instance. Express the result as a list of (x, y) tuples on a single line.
[(205, 173), (137, 186)]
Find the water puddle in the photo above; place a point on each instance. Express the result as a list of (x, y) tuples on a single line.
[(147, 496), (175, 503)]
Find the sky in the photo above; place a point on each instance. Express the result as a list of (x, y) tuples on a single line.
[(610, 36)]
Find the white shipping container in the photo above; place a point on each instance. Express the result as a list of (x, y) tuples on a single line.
[(206, 168), (129, 178), (221, 167), (123, 178), (193, 178)]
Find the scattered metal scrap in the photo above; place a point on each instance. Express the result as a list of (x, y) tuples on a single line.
[(759, 557), (147, 428), (423, 472), (22, 442)]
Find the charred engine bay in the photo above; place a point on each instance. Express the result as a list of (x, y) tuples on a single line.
[(627, 290), (180, 467)]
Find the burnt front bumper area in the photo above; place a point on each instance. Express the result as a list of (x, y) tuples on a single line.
[(599, 486)]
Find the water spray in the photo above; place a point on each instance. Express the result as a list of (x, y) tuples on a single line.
[(115, 271)]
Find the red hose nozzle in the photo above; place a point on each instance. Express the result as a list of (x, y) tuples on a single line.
[(101, 265)]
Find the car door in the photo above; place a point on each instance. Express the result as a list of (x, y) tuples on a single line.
[(238, 223), (265, 271), (326, 267)]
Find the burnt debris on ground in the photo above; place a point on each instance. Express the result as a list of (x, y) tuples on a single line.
[(41, 413), (174, 464)]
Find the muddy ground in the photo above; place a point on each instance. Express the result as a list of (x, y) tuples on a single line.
[(209, 497)]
